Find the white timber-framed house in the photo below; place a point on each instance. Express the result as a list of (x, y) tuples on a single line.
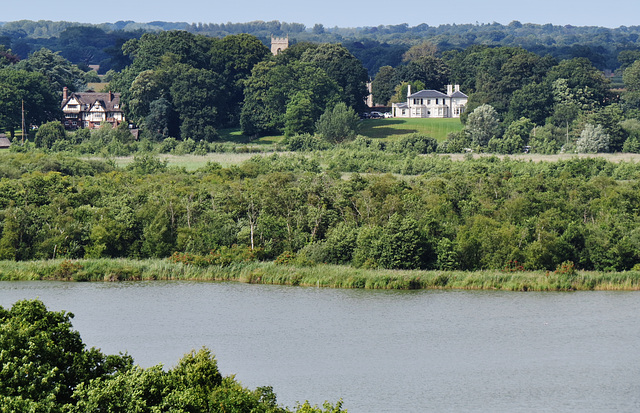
[(432, 104), (91, 109)]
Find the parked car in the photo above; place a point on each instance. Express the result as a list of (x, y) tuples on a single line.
[(388, 115), (375, 115)]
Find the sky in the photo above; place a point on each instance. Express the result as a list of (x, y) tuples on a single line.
[(330, 13)]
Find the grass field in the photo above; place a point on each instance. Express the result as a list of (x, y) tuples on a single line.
[(393, 128), (387, 129)]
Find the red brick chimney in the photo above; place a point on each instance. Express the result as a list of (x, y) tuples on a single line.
[(65, 93)]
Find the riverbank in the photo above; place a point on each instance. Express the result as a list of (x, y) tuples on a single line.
[(331, 276)]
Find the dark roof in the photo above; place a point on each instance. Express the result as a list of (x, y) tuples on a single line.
[(108, 100), (458, 94), (428, 94)]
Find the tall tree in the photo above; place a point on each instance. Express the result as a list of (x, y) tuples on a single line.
[(41, 103), (59, 71), (383, 85), (344, 68), (338, 124), (482, 125)]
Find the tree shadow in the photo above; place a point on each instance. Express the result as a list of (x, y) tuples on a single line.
[(383, 128)]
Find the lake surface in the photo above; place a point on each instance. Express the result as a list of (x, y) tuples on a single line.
[(380, 351)]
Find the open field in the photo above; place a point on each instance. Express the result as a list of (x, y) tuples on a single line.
[(534, 157), (193, 162), (330, 276)]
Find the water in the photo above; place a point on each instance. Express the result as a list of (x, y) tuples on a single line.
[(380, 351)]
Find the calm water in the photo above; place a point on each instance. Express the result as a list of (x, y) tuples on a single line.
[(380, 351)]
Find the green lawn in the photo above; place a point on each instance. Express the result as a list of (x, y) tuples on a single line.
[(234, 135), (388, 129), (397, 127)]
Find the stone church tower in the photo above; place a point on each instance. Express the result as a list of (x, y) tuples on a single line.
[(278, 44)]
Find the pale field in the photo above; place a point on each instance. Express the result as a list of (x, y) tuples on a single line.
[(534, 157), (193, 162)]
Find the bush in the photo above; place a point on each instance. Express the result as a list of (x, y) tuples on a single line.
[(305, 142), (567, 268)]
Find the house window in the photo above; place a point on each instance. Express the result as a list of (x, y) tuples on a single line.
[(436, 101), (403, 111), (428, 101)]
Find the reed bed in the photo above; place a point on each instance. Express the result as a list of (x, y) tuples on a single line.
[(329, 276)]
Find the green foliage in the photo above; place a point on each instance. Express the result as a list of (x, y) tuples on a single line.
[(43, 360), (59, 71), (338, 124), (46, 368), (415, 143), (41, 103), (298, 119), (482, 125), (383, 85), (593, 139), (515, 138), (50, 133), (305, 142), (147, 164)]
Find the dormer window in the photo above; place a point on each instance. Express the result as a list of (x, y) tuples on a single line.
[(116, 106)]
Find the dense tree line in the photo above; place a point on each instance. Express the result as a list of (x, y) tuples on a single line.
[(186, 86), (45, 367), (376, 46), (477, 214)]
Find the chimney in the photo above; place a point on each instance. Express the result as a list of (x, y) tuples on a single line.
[(449, 90), (110, 96), (408, 90), (65, 93), (457, 88)]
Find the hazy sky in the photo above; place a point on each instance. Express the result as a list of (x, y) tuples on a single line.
[(342, 13)]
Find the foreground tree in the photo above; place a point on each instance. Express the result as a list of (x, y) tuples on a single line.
[(338, 124), (49, 133), (44, 367), (43, 360), (482, 125), (593, 139)]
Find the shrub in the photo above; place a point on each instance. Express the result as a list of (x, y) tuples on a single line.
[(566, 268)]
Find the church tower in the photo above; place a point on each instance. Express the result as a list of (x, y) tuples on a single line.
[(278, 44)]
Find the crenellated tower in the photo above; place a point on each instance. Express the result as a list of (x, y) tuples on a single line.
[(278, 44)]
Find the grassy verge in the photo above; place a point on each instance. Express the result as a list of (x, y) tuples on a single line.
[(332, 276)]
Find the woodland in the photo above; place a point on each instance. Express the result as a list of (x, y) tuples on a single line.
[(320, 191), (305, 192)]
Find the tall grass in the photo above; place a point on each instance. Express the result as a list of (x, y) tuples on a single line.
[(332, 276)]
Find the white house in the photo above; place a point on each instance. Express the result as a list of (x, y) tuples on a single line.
[(432, 104)]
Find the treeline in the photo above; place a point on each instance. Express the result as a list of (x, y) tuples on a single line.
[(376, 46), (520, 100), (186, 86), (46, 367), (477, 214)]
